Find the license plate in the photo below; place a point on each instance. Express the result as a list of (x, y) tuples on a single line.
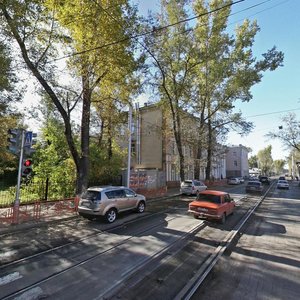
[(202, 209)]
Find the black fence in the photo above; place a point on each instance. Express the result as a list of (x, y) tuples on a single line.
[(35, 191)]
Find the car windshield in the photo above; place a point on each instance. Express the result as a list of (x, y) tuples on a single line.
[(209, 198), (282, 181), (187, 183), (91, 195)]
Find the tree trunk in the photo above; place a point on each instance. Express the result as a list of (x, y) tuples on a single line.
[(197, 164), (83, 172), (181, 160), (209, 152)]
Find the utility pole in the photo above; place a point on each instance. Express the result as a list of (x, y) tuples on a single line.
[(20, 142), (17, 199), (129, 144)]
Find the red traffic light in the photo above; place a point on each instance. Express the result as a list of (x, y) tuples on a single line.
[(27, 163)]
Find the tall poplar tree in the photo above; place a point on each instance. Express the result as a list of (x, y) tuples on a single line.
[(228, 72), (171, 52)]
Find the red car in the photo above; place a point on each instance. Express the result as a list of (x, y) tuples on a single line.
[(212, 204)]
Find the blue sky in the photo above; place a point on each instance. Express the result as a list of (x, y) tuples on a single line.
[(279, 91)]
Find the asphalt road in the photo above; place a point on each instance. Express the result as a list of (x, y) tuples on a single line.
[(265, 261)]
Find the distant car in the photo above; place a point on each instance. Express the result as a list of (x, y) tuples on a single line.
[(283, 184), (254, 178), (233, 180), (241, 179), (212, 204), (254, 186), (264, 180), (192, 187), (108, 201), (281, 178)]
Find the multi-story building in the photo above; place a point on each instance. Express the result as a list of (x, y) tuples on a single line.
[(153, 147), (237, 161)]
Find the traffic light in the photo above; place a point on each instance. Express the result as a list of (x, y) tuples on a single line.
[(14, 141), (26, 167), (29, 142)]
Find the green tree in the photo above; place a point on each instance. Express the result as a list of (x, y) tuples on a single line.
[(204, 70), (9, 118), (278, 166), (288, 132), (170, 50), (53, 166), (253, 162), (227, 72), (82, 26), (265, 160)]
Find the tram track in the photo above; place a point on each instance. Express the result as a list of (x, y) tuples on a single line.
[(73, 265), (78, 261), (191, 287), (171, 270), (77, 241)]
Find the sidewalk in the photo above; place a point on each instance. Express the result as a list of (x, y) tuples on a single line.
[(52, 213)]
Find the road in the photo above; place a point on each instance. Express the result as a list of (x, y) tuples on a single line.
[(154, 256), (265, 261)]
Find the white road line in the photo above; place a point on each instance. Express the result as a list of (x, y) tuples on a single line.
[(9, 278)]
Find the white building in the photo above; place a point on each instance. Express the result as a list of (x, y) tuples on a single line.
[(237, 161)]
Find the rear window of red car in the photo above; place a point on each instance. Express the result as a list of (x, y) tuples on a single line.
[(209, 198)]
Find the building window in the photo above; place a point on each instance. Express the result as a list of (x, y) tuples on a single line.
[(235, 163), (133, 149), (173, 172)]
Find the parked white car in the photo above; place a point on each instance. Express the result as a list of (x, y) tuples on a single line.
[(233, 180), (283, 184), (192, 187)]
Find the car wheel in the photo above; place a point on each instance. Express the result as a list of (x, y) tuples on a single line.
[(195, 216), (111, 215), (141, 207), (223, 219)]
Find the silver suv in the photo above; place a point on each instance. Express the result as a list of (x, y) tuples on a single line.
[(192, 187), (108, 201)]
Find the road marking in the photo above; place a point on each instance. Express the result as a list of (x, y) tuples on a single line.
[(32, 294), (9, 278)]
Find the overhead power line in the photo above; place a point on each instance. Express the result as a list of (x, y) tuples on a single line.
[(273, 113), (151, 31)]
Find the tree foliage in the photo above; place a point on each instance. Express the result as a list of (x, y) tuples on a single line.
[(9, 118), (265, 160), (203, 69), (278, 166), (41, 28), (253, 162), (288, 132)]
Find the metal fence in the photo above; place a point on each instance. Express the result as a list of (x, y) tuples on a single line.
[(32, 192)]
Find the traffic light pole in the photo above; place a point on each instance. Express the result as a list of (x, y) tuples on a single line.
[(17, 199)]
